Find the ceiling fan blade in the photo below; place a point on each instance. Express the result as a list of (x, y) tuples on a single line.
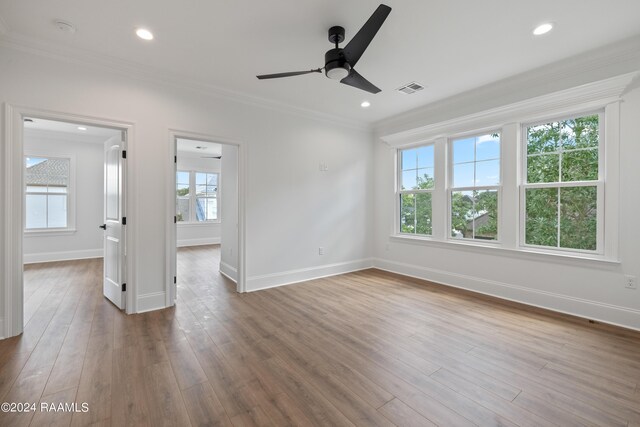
[(359, 43), (356, 80), (211, 157), (290, 74)]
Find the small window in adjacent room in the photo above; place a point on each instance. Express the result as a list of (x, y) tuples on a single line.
[(475, 187), (415, 188), (196, 196), (47, 193), (562, 184)]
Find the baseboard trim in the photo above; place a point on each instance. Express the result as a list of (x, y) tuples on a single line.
[(2, 331), (229, 272), (151, 302), (199, 242), (62, 256), (588, 309), (266, 281)]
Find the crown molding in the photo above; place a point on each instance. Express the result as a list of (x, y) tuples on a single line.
[(131, 69), (597, 64), (581, 98)]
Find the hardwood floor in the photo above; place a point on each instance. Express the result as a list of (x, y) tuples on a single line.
[(367, 348)]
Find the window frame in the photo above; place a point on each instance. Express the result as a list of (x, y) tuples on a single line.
[(450, 189), (599, 184), (399, 191), (193, 197), (71, 195)]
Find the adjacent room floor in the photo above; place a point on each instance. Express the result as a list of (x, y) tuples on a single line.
[(366, 348)]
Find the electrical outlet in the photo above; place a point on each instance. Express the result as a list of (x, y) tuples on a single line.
[(320, 250), (630, 282)]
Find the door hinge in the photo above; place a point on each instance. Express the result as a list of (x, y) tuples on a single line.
[(124, 154), (124, 287), (175, 219), (175, 279), (175, 159), (124, 220)]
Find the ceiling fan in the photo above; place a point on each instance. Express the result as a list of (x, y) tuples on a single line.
[(339, 62), (211, 157)]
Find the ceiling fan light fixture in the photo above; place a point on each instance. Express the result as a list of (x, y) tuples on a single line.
[(542, 29), (365, 104), (338, 73), (144, 34)]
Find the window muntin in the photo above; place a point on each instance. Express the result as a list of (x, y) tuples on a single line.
[(475, 187), (415, 186), (47, 192), (196, 196), (562, 185)]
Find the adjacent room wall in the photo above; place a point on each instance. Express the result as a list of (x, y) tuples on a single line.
[(88, 188), (206, 233), (229, 204), (291, 207)]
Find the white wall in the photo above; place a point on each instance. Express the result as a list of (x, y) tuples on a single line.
[(229, 203), (586, 288), (86, 241), (206, 233), (291, 207)]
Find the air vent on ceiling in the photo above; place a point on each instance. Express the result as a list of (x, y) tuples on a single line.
[(410, 88)]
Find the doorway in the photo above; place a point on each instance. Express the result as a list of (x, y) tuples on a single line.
[(55, 194), (204, 244)]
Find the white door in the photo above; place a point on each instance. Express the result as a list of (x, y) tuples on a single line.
[(114, 221)]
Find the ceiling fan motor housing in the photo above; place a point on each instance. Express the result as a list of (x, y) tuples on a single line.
[(336, 66)]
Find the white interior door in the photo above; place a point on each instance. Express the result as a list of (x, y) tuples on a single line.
[(114, 221)]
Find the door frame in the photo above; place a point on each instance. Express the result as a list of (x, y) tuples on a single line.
[(171, 242), (13, 206)]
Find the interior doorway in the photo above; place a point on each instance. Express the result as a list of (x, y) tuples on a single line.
[(67, 178), (205, 247)]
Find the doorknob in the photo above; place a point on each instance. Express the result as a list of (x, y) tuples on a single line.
[(103, 226)]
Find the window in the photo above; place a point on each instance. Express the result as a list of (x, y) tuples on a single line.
[(475, 184), (415, 187), (562, 184), (47, 193), (196, 196)]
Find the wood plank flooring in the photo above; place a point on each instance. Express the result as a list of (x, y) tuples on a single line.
[(366, 349)]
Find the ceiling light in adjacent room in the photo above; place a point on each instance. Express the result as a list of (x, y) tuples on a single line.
[(144, 34), (365, 104), (82, 128), (542, 29)]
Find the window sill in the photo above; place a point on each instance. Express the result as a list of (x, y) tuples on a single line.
[(50, 233), (494, 248)]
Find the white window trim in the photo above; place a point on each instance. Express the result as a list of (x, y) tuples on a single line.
[(71, 196), (192, 199), (399, 191), (605, 94), (599, 184), (451, 188)]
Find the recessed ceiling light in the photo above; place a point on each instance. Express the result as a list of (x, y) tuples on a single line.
[(542, 29), (64, 26), (365, 104), (82, 128), (200, 147), (144, 34)]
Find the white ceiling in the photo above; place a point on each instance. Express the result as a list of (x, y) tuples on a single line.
[(95, 134), (448, 46), (195, 148)]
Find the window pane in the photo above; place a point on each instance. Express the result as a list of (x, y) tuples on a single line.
[(543, 138), (407, 213), (543, 168), (485, 221), (463, 175), (580, 165), (182, 177), (409, 180), (201, 178), (462, 214), (212, 180), (212, 209), (463, 150), (488, 147), (201, 190), (57, 211), (541, 216), (423, 213), (425, 156), (488, 173), (182, 209), (409, 159), (182, 190), (582, 132), (578, 217), (425, 178), (57, 190), (201, 209), (36, 211)]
